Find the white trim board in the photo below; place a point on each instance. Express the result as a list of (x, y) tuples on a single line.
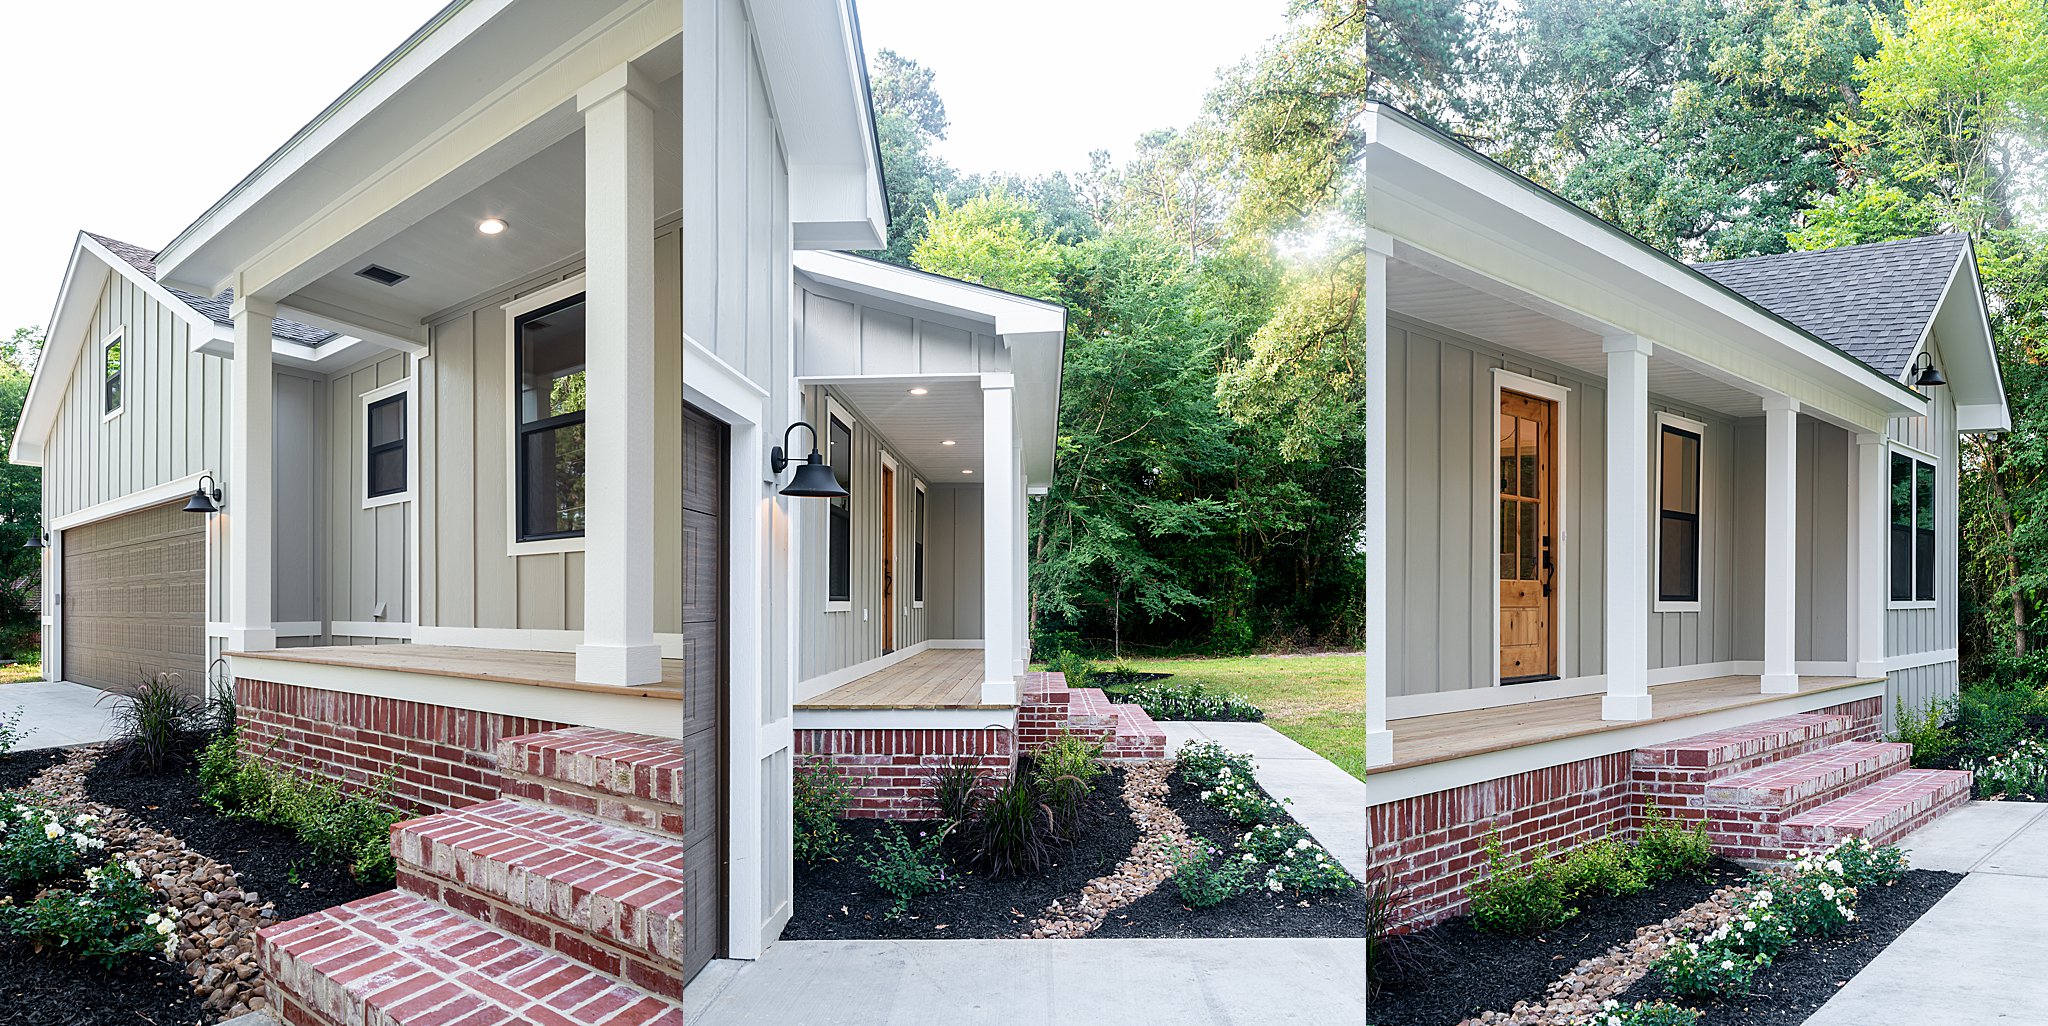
[(1915, 660), (1404, 707), (1560, 521), (1394, 785), (144, 498)]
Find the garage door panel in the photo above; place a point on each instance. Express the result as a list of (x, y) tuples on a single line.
[(134, 599)]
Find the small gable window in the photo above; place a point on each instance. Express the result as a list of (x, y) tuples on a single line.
[(1913, 526), (110, 359)]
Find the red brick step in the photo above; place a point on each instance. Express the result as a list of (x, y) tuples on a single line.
[(1881, 812), (1790, 786), (627, 778), (608, 896), (1740, 748), (1137, 737), (396, 959)]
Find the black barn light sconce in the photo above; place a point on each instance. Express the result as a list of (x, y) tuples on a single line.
[(812, 480), (1928, 374), (204, 499), (40, 540)]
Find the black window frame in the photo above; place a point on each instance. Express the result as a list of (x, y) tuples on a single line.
[(1667, 515), (522, 428), (1913, 547), (920, 512), (113, 395), (839, 514), (373, 449)]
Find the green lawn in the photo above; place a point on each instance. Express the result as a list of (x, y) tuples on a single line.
[(22, 672), (1316, 700)]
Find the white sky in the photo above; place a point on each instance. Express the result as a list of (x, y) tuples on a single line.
[(131, 117)]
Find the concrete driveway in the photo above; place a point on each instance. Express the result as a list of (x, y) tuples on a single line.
[(56, 714), (1977, 955)]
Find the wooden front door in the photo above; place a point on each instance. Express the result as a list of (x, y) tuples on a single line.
[(888, 559), (1528, 569), (706, 581)]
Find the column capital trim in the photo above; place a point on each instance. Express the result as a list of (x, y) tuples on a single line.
[(1780, 404), (1379, 242), (1871, 438), (998, 379), (1627, 343), (625, 78), (257, 305)]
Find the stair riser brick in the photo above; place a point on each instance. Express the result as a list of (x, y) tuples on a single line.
[(600, 761), (631, 965), (645, 815), (1803, 837)]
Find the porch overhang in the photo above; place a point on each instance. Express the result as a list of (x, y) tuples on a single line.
[(1440, 206)]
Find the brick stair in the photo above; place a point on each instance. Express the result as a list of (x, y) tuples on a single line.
[(559, 904), (1775, 788), (1049, 706)]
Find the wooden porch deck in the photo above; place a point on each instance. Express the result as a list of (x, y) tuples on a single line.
[(1421, 740), (508, 666), (936, 678)]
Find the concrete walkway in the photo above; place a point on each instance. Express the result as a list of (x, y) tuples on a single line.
[(1325, 799), (1036, 983), (56, 714), (1977, 955)]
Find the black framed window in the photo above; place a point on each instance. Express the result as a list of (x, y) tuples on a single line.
[(839, 454), (917, 547), (1678, 515), (548, 355), (111, 356), (384, 474), (1913, 526)]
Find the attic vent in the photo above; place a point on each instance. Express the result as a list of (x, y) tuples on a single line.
[(382, 275)]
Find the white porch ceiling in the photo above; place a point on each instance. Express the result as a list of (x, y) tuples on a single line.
[(1423, 294), (541, 199), (916, 427)]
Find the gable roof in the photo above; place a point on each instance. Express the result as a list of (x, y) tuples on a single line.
[(216, 309), (1872, 301)]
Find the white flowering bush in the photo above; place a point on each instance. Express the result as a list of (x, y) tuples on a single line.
[(1869, 865), (112, 917), (1654, 1014), (2021, 771), (1271, 840), (1206, 764), (1713, 964), (1205, 876), (1179, 700), (1243, 801), (40, 844), (1307, 867)]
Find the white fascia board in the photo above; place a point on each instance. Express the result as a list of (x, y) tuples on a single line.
[(402, 66), (1011, 314), (373, 327), (810, 55), (1961, 329), (1419, 174)]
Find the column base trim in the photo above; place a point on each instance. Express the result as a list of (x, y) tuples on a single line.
[(623, 665), (1625, 707), (1782, 683), (1867, 669), (999, 692), (1379, 748), (250, 639)]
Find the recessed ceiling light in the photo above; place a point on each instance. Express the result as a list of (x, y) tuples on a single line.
[(491, 225), (919, 391), (967, 472), (948, 442)]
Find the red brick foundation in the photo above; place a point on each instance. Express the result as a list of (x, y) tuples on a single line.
[(446, 757), (1427, 849), (891, 770)]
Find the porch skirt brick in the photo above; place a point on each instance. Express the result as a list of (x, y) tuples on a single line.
[(1427, 849), (445, 758), (891, 770)]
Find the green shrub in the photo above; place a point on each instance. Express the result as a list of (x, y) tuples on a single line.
[(1864, 864), (155, 723), (1927, 729), (40, 845), (1076, 667), (1519, 897), (1063, 773), (2020, 773), (1173, 699), (1269, 841), (339, 825), (1205, 764), (902, 869), (1710, 966), (1606, 866), (115, 916), (819, 796), (1307, 867), (10, 730), (1014, 833), (1244, 802), (1666, 851), (956, 790), (1205, 877), (1654, 1014)]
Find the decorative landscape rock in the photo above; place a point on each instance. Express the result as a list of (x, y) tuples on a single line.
[(1161, 833), (219, 917)]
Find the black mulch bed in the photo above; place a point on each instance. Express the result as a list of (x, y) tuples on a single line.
[(269, 860), (51, 990), (18, 768), (1805, 976), (1433, 981), (835, 901), (1259, 913)]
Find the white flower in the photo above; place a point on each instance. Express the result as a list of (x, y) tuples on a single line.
[(1827, 890), (1249, 857), (134, 869), (52, 831), (1692, 948), (1727, 963), (1763, 898), (1302, 844), (1835, 866), (166, 927), (1273, 884), (1610, 1004), (154, 918)]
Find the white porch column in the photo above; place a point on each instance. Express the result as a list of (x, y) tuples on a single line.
[(1781, 544), (1628, 529), (1022, 559), (247, 501), (1871, 513), (1002, 588), (618, 228), (1379, 741)]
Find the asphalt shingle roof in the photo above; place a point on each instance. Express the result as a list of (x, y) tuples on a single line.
[(217, 308), (1871, 301)]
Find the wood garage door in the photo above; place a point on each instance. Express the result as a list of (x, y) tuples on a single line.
[(704, 687), (133, 597)]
